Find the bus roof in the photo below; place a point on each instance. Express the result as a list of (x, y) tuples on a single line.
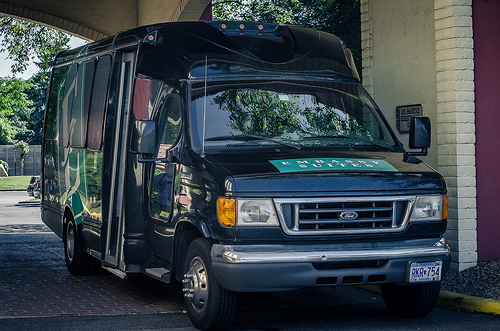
[(182, 50)]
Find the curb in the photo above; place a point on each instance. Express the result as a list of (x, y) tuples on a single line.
[(457, 300), (469, 303), (28, 202)]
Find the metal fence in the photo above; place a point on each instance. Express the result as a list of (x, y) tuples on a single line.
[(32, 161)]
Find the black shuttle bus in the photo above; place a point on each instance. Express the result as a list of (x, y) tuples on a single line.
[(237, 157)]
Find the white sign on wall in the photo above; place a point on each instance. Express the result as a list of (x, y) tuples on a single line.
[(404, 115)]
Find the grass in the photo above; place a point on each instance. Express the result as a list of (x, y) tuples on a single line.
[(14, 182)]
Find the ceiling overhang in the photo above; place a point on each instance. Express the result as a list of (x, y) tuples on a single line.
[(97, 19)]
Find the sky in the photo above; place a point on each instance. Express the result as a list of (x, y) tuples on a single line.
[(32, 69)]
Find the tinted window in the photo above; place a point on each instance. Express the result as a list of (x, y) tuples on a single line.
[(170, 125), (55, 102), (66, 105), (161, 191), (98, 103), (80, 107), (305, 114)]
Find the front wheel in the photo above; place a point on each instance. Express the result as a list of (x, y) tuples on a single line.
[(209, 306), (78, 263), (411, 300)]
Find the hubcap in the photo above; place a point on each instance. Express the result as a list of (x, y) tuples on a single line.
[(70, 241), (195, 284)]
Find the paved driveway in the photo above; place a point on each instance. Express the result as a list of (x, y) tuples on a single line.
[(17, 215), (38, 293)]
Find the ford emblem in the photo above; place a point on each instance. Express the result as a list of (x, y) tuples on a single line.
[(348, 215)]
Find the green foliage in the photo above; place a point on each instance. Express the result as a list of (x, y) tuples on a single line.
[(259, 113), (22, 103), (277, 11), (25, 148), (37, 94), (27, 42), (339, 17), (323, 120), (5, 165), (13, 107), (270, 114)]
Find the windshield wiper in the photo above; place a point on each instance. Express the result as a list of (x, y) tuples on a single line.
[(369, 142), (247, 137)]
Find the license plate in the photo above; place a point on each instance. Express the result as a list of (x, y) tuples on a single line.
[(425, 271)]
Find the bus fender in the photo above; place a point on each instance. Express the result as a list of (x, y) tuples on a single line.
[(186, 231)]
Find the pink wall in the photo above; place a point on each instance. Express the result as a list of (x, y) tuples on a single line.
[(207, 13), (486, 25)]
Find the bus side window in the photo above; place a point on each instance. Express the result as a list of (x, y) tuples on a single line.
[(171, 124), (66, 105), (98, 103), (54, 105), (81, 103), (161, 191)]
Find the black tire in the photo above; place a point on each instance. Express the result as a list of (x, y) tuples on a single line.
[(411, 301), (209, 306), (77, 262)]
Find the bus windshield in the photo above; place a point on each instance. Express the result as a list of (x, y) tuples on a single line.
[(297, 115)]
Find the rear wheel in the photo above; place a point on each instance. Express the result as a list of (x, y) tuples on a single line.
[(411, 300), (209, 306), (78, 263)]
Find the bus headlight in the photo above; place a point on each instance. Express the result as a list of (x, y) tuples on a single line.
[(246, 212), (430, 208)]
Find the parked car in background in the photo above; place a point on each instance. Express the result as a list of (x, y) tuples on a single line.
[(34, 186)]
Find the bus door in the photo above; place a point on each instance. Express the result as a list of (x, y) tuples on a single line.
[(113, 255), (165, 188)]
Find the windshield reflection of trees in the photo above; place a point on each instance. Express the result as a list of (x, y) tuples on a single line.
[(305, 116)]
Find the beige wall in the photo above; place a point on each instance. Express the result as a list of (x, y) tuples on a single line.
[(422, 52), (403, 48)]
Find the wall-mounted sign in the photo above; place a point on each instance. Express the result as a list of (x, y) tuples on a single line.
[(404, 115)]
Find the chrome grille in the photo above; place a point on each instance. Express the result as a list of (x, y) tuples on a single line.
[(344, 215)]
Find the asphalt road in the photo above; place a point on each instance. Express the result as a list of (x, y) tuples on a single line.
[(37, 293)]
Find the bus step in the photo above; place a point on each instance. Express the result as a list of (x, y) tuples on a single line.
[(161, 273), (115, 272)]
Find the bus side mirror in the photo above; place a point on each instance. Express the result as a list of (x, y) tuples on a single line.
[(420, 134), (144, 140)]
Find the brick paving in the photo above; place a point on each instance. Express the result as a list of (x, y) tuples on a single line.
[(34, 282)]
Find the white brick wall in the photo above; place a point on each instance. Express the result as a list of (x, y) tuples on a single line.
[(366, 45), (456, 128)]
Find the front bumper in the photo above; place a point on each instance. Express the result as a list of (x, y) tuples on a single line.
[(264, 268)]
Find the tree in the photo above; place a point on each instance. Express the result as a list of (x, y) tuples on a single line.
[(26, 42), (13, 107), (37, 94), (339, 17), (22, 103), (25, 148)]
